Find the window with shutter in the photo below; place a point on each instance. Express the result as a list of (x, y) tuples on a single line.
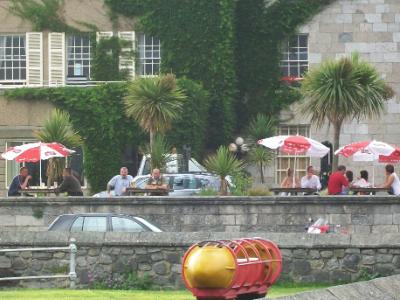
[(126, 59), (34, 58), (56, 58), (79, 57)]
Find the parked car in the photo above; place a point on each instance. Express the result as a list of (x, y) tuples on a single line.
[(101, 222), (183, 184), (179, 184)]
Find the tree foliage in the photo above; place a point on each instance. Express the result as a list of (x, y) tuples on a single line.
[(344, 89), (223, 163), (154, 103)]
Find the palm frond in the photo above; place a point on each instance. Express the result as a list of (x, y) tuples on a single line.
[(343, 89), (154, 102)]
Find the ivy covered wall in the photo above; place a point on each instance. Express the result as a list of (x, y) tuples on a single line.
[(98, 114), (232, 47)]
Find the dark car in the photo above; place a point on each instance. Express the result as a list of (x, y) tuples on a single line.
[(101, 222)]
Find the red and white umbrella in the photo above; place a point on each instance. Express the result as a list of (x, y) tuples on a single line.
[(371, 151), (366, 149), (295, 145), (34, 152)]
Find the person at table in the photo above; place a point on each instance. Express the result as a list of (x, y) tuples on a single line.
[(362, 181), (287, 182), (70, 184), (156, 181), (19, 182), (310, 181), (392, 180), (120, 183), (338, 183)]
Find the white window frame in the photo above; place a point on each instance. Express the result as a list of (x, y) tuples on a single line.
[(72, 79), (142, 59), (10, 82), (286, 59), (291, 129)]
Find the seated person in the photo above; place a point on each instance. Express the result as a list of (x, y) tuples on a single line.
[(120, 183), (70, 184), (392, 181), (363, 180), (337, 182), (288, 181), (311, 180), (156, 181), (19, 182)]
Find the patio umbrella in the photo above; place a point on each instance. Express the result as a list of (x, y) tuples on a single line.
[(370, 151), (34, 152), (295, 145)]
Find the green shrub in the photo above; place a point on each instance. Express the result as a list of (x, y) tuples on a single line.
[(259, 191), (208, 192), (241, 184)]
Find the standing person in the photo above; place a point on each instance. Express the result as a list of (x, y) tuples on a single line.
[(19, 182), (338, 182), (311, 180), (392, 181), (70, 184), (120, 182), (287, 182)]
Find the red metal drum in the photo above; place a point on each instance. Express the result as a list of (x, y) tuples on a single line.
[(231, 269)]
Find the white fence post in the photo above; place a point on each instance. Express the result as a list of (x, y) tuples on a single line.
[(72, 262)]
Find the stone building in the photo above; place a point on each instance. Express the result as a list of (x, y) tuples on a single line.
[(369, 27), (28, 58)]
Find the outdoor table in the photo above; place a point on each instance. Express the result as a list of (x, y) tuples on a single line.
[(38, 191), (133, 191), (292, 191), (368, 190)]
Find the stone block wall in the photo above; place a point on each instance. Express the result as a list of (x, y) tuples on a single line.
[(355, 214), (306, 258)]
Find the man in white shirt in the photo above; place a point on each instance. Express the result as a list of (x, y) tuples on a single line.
[(120, 182), (311, 180)]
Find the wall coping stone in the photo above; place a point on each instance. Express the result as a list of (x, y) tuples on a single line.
[(200, 201), (179, 239)]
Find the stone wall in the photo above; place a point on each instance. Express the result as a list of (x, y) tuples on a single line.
[(306, 258), (355, 214)]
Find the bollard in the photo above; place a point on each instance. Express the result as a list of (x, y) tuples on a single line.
[(72, 262), (231, 269)]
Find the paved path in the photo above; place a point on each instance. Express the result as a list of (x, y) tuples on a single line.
[(385, 288)]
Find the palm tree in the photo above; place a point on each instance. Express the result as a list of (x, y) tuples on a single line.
[(342, 90), (223, 163), (158, 153), (58, 129), (154, 103), (260, 127)]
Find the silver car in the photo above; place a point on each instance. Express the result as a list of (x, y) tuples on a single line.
[(183, 184)]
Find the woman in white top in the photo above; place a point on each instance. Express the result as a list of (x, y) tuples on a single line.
[(363, 180), (392, 181)]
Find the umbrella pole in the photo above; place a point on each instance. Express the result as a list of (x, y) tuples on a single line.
[(373, 174), (294, 171), (40, 172)]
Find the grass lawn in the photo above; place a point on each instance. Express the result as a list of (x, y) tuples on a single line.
[(53, 294)]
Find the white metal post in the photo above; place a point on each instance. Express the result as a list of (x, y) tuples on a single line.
[(72, 262)]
